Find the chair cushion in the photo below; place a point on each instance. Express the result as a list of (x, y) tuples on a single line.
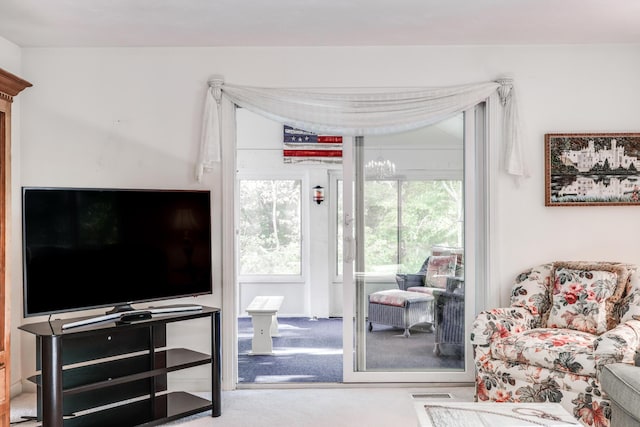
[(556, 349), (615, 301), (439, 268), (532, 289), (579, 299), (449, 250), (629, 306)]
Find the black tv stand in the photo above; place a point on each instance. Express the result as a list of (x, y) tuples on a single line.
[(115, 373)]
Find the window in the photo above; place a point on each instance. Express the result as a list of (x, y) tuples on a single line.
[(430, 213), (405, 218), (269, 238)]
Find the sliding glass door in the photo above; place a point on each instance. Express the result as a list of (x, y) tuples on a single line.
[(406, 214), (404, 227)]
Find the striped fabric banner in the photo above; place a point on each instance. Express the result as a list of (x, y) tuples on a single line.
[(301, 146)]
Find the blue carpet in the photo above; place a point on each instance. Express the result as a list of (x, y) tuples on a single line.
[(311, 351), (306, 351)]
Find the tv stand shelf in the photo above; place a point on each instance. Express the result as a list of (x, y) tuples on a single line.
[(115, 373)]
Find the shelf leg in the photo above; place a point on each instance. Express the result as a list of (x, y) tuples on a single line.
[(216, 368), (52, 381)]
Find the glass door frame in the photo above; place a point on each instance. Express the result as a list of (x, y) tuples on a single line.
[(475, 234), (482, 159)]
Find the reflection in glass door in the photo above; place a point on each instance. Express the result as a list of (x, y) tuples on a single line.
[(409, 258)]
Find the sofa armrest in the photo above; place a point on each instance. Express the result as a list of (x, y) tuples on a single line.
[(617, 345), (455, 284), (501, 322), (446, 295), (405, 281)]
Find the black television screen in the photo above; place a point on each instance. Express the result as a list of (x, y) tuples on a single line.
[(91, 248)]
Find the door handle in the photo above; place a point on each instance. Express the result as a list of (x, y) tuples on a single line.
[(348, 220)]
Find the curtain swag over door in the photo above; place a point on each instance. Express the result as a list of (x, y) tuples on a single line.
[(354, 112)]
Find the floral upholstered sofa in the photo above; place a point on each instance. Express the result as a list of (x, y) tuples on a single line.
[(566, 321)]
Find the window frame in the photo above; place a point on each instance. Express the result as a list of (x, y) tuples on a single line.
[(304, 227)]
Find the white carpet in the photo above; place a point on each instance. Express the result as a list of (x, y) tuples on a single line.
[(23, 405), (311, 407)]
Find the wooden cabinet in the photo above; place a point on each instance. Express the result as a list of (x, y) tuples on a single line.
[(115, 373), (10, 86)]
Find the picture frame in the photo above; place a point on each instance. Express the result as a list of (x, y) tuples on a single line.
[(592, 169)]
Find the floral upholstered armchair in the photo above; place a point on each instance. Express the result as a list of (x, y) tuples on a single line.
[(566, 321)]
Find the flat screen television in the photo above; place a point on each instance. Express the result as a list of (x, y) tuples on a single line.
[(92, 248)]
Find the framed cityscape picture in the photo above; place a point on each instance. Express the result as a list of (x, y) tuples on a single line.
[(591, 169)]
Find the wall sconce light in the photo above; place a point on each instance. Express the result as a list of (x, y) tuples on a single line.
[(318, 194)]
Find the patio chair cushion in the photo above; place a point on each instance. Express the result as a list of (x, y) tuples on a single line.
[(439, 268), (395, 297)]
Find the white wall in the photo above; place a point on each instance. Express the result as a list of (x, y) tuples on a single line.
[(131, 117), (10, 57)]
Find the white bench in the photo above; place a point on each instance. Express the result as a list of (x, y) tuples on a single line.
[(263, 311)]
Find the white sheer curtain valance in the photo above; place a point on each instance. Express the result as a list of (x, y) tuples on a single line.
[(353, 112)]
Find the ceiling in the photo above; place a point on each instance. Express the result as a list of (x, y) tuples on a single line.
[(147, 23)]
